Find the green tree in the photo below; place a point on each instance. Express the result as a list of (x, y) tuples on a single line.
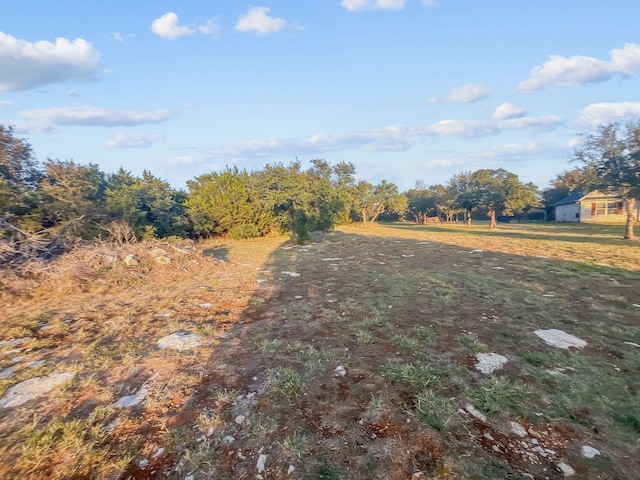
[(73, 192), (499, 192), (434, 200), (163, 206), (19, 178), (610, 158), (220, 203), (122, 201), (464, 193), (370, 201)]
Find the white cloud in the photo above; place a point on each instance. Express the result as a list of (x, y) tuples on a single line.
[(4, 103), (91, 116), (430, 3), (508, 110), (74, 93), (603, 113), (167, 27), (389, 138), (469, 93), (122, 38), (25, 65), (360, 5), (134, 140), (258, 20), (210, 27), (580, 70)]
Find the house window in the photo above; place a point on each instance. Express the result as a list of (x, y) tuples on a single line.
[(606, 208)]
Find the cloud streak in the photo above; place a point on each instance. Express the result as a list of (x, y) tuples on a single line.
[(360, 5), (581, 70), (469, 93), (134, 140), (95, 117), (27, 65), (389, 138)]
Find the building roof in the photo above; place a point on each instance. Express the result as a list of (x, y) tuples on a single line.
[(574, 197)]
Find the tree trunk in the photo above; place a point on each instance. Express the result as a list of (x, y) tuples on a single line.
[(492, 218), (364, 218), (468, 215), (628, 231)]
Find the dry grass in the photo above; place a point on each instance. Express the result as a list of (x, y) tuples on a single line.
[(401, 308)]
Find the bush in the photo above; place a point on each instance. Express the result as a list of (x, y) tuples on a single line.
[(244, 230)]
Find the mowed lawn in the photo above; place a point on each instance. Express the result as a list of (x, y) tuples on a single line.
[(367, 354)]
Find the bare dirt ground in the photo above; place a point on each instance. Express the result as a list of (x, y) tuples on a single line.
[(354, 357)]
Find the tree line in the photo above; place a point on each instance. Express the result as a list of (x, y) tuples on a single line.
[(284, 198)]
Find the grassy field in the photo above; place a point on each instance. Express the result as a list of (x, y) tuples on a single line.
[(354, 357)]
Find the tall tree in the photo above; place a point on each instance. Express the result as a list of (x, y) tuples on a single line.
[(72, 191), (499, 192), (19, 178), (611, 155), (465, 194), (371, 201), (163, 206)]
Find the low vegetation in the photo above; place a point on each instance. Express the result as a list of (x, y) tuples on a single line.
[(352, 357)]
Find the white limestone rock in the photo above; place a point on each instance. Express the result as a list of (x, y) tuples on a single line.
[(560, 339)]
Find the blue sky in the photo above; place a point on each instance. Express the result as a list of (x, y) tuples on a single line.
[(405, 89)]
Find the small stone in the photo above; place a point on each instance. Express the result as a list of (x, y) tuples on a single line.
[(228, 439), (488, 436), (534, 434), (240, 419), (476, 413), (205, 305), (566, 470), (490, 362), (144, 463), (260, 464), (7, 373), (157, 252), (518, 429), (560, 339), (33, 388), (589, 452), (133, 400), (341, 371), (35, 363), (181, 341), (291, 469), (14, 342), (162, 260), (131, 260), (158, 453)]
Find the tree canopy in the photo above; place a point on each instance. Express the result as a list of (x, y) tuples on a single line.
[(609, 160)]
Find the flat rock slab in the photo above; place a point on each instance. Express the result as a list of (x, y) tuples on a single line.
[(33, 388), (560, 339), (490, 362), (181, 341)]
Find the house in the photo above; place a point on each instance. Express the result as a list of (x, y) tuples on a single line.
[(593, 207)]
